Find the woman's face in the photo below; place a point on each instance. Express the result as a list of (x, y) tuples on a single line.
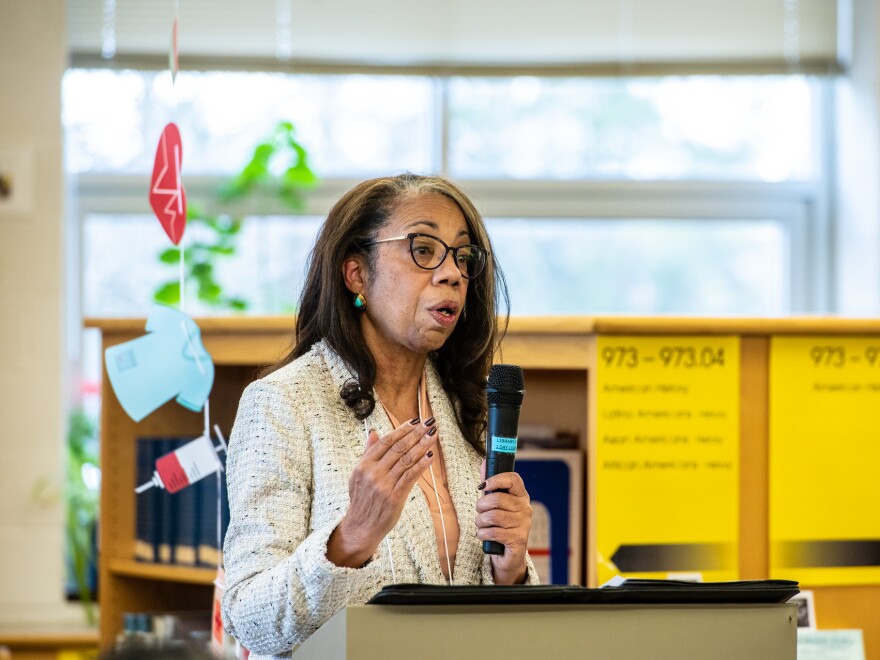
[(409, 307)]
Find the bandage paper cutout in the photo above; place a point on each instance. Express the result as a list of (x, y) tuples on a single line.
[(167, 195), (170, 361)]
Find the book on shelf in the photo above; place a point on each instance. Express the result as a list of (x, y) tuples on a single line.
[(166, 524), (178, 528), (208, 553), (554, 480), (186, 522), (146, 517)]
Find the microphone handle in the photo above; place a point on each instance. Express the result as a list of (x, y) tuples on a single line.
[(501, 454)]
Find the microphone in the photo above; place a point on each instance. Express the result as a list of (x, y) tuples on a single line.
[(504, 395)]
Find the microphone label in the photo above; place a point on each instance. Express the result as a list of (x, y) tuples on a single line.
[(503, 445)]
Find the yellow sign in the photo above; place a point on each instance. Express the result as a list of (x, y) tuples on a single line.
[(667, 456), (825, 459)]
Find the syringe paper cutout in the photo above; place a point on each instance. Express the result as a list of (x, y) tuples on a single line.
[(186, 465), (169, 361)]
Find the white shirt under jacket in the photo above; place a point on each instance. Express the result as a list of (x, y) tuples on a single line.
[(291, 452)]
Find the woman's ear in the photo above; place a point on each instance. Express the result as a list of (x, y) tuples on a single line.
[(354, 273)]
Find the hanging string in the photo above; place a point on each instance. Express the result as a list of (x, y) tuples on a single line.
[(625, 41), (108, 29), (173, 52), (173, 65), (207, 427), (283, 27), (442, 524), (219, 521), (182, 282), (434, 484), (791, 32), (192, 347), (220, 496)]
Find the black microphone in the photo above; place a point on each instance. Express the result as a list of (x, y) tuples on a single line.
[(504, 395)]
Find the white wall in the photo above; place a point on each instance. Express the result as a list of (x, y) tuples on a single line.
[(32, 60)]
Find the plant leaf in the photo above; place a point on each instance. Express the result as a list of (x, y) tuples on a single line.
[(168, 293), (170, 256)]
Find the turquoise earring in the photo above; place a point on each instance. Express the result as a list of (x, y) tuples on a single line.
[(359, 301)]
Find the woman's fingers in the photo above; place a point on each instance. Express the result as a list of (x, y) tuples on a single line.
[(384, 475), (509, 481), (409, 448), (413, 456), (511, 538), (409, 475), (386, 442), (503, 502), (504, 516), (499, 518)]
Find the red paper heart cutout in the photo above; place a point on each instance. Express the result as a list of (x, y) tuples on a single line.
[(167, 195)]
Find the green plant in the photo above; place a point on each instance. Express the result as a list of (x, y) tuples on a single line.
[(82, 505), (280, 167), (201, 257)]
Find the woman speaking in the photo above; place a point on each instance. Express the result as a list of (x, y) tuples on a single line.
[(356, 462)]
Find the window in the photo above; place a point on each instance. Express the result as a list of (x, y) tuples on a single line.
[(686, 195), (644, 266), (698, 127), (353, 125)]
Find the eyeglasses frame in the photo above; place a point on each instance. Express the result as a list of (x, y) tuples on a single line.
[(409, 237)]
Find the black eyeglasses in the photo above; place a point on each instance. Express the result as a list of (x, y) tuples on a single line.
[(429, 252)]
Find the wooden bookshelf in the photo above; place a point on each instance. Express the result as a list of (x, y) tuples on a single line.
[(146, 571), (558, 355), (48, 644)]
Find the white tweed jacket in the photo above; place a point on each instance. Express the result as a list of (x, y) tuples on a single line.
[(292, 449)]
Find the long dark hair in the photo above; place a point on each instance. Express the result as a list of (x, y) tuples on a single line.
[(326, 311)]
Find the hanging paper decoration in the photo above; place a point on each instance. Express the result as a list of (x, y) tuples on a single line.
[(167, 195), (168, 362), (184, 466), (173, 59)]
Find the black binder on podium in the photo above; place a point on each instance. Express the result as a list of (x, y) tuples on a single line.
[(629, 592)]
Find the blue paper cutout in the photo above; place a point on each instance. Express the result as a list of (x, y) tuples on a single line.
[(169, 361)]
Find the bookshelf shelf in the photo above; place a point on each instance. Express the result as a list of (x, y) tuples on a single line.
[(148, 571)]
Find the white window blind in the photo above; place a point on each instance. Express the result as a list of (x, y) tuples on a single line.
[(634, 36)]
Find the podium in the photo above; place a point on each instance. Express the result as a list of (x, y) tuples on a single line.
[(559, 632)]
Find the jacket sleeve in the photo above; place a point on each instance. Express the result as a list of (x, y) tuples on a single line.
[(280, 586)]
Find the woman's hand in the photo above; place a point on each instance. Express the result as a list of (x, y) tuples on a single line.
[(378, 488), (506, 518)]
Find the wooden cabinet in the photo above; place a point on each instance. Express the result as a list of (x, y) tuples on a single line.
[(558, 355)]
